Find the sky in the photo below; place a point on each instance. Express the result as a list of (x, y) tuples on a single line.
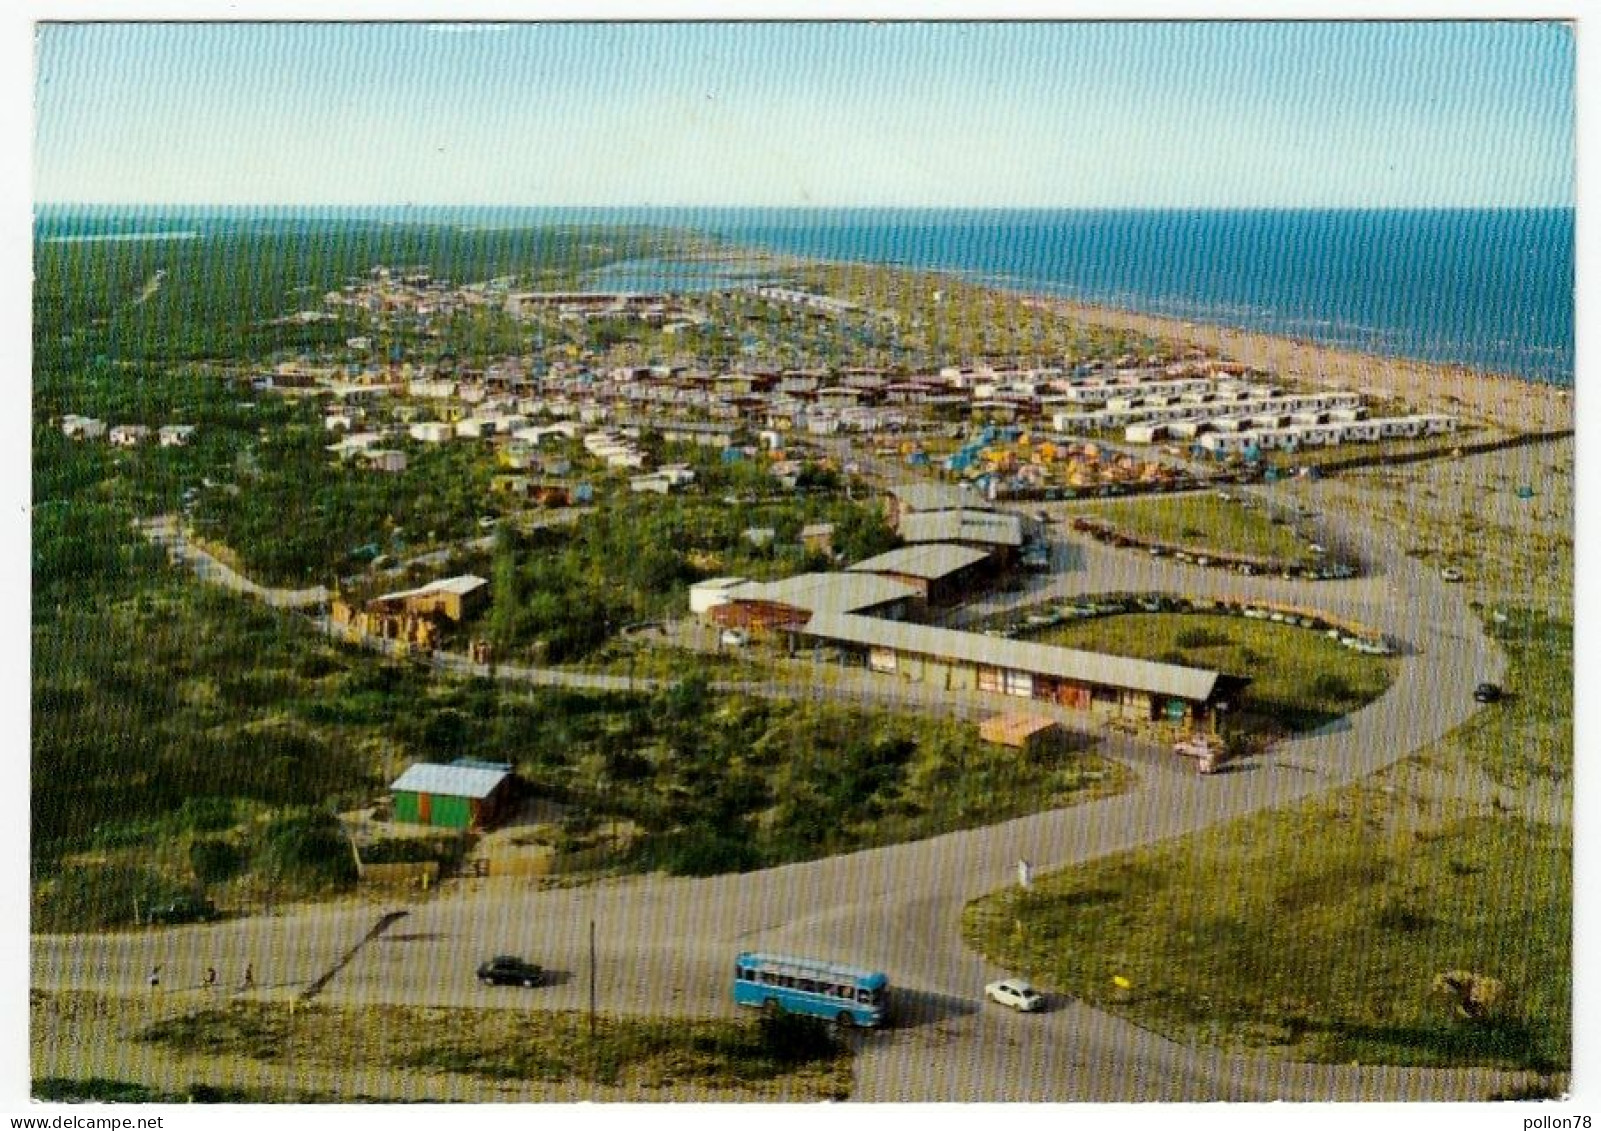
[(795, 115)]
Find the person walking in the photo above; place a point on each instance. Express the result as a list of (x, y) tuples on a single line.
[(155, 976), (250, 976), (211, 977)]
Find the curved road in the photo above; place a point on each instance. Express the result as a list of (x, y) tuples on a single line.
[(666, 944)]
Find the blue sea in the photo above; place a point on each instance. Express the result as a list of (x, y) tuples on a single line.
[(1492, 289)]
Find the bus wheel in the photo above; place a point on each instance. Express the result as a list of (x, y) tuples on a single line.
[(845, 1020), (771, 1007)]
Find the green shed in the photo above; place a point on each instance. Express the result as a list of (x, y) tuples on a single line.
[(459, 796)]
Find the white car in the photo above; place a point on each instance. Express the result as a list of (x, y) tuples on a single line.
[(735, 638), (1016, 993)]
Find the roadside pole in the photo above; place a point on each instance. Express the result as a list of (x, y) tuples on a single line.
[(594, 1048)]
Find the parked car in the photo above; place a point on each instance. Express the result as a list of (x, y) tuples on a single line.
[(1016, 993), (1486, 693), (1450, 574), (509, 970), (186, 909), (735, 638)]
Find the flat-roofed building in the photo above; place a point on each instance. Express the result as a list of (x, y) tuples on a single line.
[(453, 598), (944, 574), (794, 600), (916, 498), (1112, 686), (463, 795), (82, 427), (998, 532), (706, 595)]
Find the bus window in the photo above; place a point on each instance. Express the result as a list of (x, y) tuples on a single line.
[(807, 986)]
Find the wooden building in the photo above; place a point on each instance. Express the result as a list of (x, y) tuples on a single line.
[(1109, 686), (944, 574), (463, 795)]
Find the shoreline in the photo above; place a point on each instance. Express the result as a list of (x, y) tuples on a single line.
[(1502, 400)]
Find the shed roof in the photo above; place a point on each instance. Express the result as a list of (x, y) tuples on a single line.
[(1015, 729), (931, 560), (717, 584), (1194, 685), (994, 528), (826, 592), (476, 782), (936, 497), (461, 586)]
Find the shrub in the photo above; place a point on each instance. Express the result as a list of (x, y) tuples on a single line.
[(307, 850), (1474, 997), (89, 898), (1202, 638), (1328, 685), (207, 814), (701, 850), (215, 859), (1397, 915)]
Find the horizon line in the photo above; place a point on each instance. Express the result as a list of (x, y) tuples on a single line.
[(1308, 207)]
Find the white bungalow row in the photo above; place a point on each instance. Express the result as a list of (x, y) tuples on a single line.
[(1102, 392), (1114, 418), (481, 426), (1323, 435)]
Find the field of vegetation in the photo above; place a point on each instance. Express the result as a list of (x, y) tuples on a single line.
[(559, 593), (225, 295), (1300, 679), (1386, 923), (355, 1051), (1206, 523), (189, 741)]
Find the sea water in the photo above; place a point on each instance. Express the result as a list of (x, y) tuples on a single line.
[(1491, 289)]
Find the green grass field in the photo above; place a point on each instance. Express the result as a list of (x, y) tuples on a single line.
[(786, 1058), (1203, 522), (1300, 678), (1318, 930), (1528, 737)]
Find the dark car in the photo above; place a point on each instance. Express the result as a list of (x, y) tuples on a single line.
[(509, 970), (183, 910), (1486, 693)]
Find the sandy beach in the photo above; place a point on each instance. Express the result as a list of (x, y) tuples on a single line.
[(1506, 402), (1504, 518)]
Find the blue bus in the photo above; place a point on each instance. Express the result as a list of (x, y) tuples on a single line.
[(849, 995)]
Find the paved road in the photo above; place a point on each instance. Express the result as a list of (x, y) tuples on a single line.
[(666, 943), (167, 532)]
